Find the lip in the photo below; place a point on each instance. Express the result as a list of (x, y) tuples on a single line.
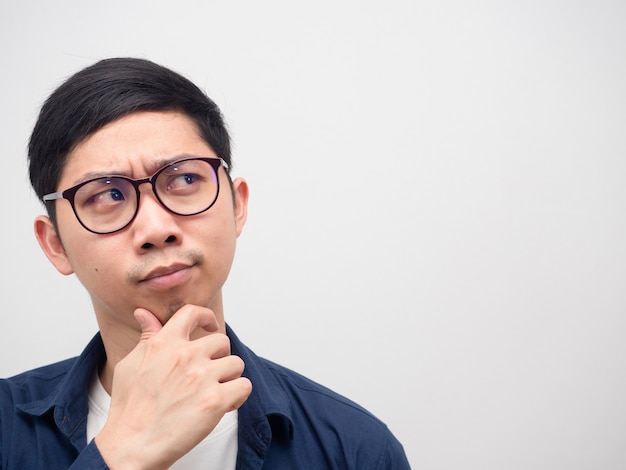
[(168, 276)]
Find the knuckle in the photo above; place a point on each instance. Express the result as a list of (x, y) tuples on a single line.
[(155, 343), (212, 399), (184, 357)]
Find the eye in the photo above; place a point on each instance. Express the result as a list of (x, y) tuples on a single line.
[(189, 178), (109, 196), (103, 194), (183, 181)]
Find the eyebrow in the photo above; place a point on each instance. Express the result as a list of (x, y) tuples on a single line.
[(152, 169)]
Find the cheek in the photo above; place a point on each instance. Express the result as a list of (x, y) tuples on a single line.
[(90, 270), (72, 234), (218, 245), (93, 264), (217, 241)]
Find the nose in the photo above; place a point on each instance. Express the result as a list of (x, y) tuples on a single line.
[(154, 226)]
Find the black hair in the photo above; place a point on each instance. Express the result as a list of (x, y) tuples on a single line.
[(103, 92)]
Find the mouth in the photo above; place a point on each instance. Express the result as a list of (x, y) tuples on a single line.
[(168, 276)]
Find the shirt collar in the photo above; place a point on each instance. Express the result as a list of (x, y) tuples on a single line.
[(267, 407)]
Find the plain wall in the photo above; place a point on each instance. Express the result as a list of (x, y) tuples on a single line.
[(437, 218)]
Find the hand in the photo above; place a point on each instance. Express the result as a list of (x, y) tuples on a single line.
[(170, 392)]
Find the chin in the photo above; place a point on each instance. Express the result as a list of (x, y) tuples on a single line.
[(169, 312)]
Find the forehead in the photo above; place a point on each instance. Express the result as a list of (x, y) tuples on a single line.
[(135, 145)]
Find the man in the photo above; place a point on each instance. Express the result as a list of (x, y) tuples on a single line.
[(132, 161)]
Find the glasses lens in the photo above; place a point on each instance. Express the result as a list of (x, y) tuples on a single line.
[(187, 187), (106, 204)]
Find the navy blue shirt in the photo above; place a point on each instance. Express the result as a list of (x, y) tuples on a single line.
[(288, 422)]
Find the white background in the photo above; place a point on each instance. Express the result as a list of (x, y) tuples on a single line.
[(437, 219)]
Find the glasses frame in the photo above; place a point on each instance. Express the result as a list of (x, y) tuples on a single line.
[(70, 193)]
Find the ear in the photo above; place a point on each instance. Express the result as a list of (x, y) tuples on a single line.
[(240, 190), (51, 245)]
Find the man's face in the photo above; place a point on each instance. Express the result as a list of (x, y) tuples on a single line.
[(161, 261)]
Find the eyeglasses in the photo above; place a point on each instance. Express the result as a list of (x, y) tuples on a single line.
[(109, 204)]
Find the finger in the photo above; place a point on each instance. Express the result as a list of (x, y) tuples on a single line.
[(215, 346), (232, 368), (190, 317), (150, 324), (238, 391)]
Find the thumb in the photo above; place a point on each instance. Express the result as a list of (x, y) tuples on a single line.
[(150, 325)]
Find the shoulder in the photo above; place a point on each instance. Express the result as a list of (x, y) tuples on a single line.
[(32, 381), (322, 415), (318, 396), (59, 381), (35, 384), (290, 391), (312, 426)]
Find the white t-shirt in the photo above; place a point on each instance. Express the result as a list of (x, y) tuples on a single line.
[(217, 450)]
